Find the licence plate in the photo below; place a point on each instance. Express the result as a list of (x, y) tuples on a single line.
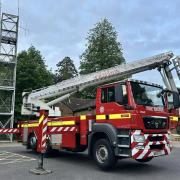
[(158, 153)]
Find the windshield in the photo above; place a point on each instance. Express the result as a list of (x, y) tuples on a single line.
[(147, 95)]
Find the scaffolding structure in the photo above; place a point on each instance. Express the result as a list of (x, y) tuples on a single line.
[(8, 63)]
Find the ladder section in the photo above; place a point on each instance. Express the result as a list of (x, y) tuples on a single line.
[(99, 77), (176, 63)]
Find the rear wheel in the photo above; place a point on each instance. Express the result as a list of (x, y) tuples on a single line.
[(144, 160), (103, 154)]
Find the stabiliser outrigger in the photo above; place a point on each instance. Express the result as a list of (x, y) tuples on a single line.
[(132, 118)]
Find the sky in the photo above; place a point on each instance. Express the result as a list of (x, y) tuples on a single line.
[(59, 28)]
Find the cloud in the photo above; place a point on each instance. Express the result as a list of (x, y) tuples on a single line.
[(59, 28)]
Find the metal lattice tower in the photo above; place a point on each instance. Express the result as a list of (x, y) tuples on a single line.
[(8, 62)]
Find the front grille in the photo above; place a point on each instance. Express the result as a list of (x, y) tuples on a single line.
[(158, 147), (155, 122), (156, 138)]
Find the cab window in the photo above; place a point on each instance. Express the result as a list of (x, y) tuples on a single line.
[(104, 95), (170, 101), (125, 96), (109, 94)]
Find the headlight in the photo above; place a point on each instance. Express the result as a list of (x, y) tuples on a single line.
[(139, 138), (139, 147)]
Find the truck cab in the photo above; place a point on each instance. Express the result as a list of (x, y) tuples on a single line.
[(139, 104), (138, 113)]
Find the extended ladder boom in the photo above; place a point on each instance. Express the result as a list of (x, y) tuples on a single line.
[(167, 76), (35, 98), (176, 62)]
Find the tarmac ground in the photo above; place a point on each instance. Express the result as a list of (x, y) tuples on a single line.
[(16, 162)]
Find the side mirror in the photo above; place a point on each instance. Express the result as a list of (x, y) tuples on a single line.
[(119, 94), (176, 100)]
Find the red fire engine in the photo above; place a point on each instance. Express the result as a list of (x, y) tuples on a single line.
[(132, 118)]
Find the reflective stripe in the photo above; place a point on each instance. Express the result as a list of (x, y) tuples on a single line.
[(30, 125), (83, 117), (120, 116), (62, 123), (33, 124), (24, 125), (55, 123), (173, 118), (114, 116), (100, 117)]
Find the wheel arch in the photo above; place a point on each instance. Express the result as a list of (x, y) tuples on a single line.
[(99, 131)]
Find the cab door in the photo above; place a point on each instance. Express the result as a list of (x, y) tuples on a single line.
[(114, 100)]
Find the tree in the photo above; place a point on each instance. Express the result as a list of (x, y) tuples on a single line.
[(32, 74), (66, 70), (103, 51)]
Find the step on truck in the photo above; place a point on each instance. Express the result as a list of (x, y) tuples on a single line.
[(131, 120)]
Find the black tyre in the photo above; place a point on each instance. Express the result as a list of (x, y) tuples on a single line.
[(144, 160), (103, 154)]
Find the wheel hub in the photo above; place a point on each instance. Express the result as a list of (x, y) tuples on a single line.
[(102, 154)]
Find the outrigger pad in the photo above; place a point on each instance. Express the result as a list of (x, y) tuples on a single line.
[(40, 171)]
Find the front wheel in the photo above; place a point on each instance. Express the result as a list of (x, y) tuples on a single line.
[(144, 160), (103, 154)]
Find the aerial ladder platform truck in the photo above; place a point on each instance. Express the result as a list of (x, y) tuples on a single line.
[(132, 118)]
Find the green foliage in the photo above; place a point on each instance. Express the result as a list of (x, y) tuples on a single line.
[(103, 51), (32, 74), (66, 70)]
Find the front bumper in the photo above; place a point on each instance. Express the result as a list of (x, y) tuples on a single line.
[(154, 145)]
